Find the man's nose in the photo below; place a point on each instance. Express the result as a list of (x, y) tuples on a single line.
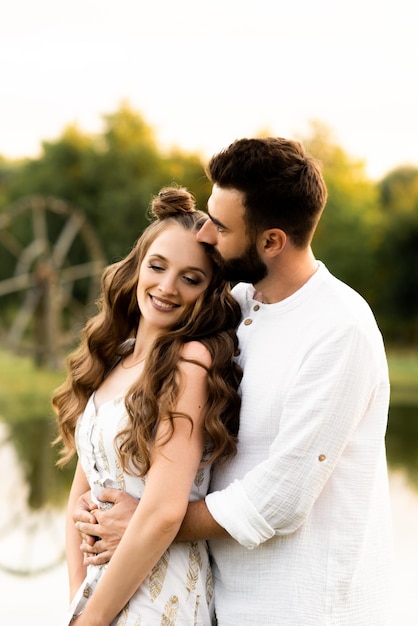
[(208, 233)]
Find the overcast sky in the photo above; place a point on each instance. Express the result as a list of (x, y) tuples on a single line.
[(203, 73)]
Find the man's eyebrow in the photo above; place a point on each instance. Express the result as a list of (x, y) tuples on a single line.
[(215, 221)]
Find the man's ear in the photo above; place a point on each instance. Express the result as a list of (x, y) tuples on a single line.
[(273, 241)]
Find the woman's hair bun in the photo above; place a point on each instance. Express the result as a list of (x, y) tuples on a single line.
[(171, 201)]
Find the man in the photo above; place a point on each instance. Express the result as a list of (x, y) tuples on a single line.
[(299, 521)]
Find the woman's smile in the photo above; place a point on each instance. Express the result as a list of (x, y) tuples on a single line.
[(163, 305)]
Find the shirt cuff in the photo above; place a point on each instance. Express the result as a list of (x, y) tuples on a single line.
[(232, 509)]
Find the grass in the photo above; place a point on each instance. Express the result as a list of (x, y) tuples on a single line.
[(25, 406), (24, 389), (403, 371)]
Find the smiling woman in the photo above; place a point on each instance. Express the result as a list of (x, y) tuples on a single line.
[(173, 274), (155, 383)]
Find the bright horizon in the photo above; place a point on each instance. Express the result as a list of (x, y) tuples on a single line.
[(205, 73)]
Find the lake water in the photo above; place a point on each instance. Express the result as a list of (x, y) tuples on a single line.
[(40, 600)]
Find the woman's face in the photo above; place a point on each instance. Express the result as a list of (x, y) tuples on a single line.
[(172, 275)]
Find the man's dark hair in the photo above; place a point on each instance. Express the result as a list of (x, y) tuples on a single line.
[(282, 184)]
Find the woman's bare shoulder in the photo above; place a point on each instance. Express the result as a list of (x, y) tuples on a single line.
[(196, 351)]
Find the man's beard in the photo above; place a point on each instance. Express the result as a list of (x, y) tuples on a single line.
[(247, 268)]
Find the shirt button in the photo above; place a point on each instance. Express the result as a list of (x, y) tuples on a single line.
[(256, 307), (248, 321), (322, 457)]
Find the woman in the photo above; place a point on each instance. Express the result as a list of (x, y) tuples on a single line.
[(155, 383)]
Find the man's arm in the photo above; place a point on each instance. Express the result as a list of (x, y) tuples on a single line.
[(198, 524), (101, 537)]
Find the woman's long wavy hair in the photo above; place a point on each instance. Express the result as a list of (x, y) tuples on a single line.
[(109, 336)]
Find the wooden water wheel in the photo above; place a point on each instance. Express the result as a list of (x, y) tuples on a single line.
[(50, 267)]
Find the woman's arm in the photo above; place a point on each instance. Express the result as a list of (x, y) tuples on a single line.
[(162, 507), (75, 558)]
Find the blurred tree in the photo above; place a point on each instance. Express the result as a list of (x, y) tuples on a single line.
[(111, 177), (8, 170), (398, 285), (350, 230)]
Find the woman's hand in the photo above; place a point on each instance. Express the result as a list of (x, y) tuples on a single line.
[(102, 529)]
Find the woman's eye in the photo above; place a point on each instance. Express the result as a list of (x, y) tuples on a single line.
[(190, 280), (156, 268)]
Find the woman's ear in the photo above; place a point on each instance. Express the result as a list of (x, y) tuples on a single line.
[(273, 241)]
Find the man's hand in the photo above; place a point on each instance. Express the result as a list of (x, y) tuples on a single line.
[(102, 529)]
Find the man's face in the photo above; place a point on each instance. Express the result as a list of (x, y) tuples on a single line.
[(226, 232)]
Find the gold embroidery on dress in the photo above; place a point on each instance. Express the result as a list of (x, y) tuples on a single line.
[(157, 576), (196, 609), (87, 591), (199, 477), (209, 585), (120, 477), (102, 451), (123, 616), (170, 612), (195, 565)]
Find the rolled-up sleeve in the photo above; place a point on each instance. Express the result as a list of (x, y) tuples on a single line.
[(239, 515)]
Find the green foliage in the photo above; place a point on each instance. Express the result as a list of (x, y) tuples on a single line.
[(349, 231), (25, 407), (402, 432), (403, 369), (399, 190), (111, 177), (397, 255), (368, 235), (8, 171)]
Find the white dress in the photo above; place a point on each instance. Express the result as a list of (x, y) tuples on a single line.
[(179, 590)]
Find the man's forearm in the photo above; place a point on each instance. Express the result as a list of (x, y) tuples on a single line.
[(198, 524)]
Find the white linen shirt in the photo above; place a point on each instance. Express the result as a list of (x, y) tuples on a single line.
[(306, 499)]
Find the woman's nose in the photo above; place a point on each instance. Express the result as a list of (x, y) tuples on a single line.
[(168, 284)]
